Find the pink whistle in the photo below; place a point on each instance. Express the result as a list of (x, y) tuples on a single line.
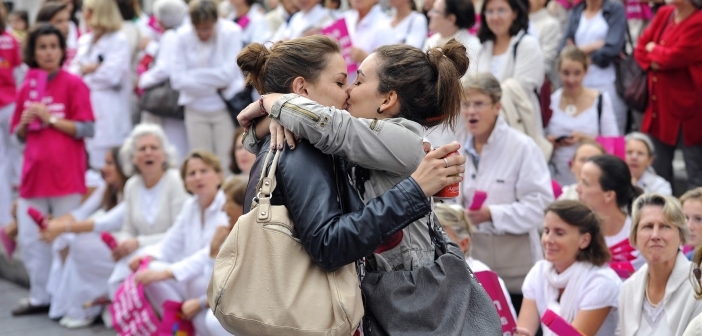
[(109, 240), (37, 216), (558, 325), (478, 199)]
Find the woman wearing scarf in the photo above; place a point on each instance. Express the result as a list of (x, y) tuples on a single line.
[(574, 280)]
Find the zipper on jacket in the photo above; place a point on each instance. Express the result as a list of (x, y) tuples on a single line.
[(373, 124), (303, 111)]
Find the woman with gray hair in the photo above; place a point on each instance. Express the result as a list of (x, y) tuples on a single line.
[(657, 299), (153, 196), (640, 153), (170, 15)]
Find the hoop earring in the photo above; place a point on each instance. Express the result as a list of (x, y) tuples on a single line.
[(379, 111)]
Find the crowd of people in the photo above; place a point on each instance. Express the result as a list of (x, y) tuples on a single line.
[(529, 93)]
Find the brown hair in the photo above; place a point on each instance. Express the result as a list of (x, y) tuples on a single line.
[(427, 84), (202, 11), (233, 167), (29, 48), (275, 69), (589, 142), (206, 156), (49, 9), (112, 194), (484, 83), (579, 215), (235, 189), (692, 195), (696, 260), (572, 53)]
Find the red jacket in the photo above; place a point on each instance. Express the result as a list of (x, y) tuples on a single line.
[(675, 89)]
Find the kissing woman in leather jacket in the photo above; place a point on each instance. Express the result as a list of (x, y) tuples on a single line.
[(332, 222)]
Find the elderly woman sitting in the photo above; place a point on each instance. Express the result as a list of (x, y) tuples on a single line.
[(657, 299)]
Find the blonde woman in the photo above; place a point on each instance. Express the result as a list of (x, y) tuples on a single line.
[(102, 60), (658, 299), (459, 228)]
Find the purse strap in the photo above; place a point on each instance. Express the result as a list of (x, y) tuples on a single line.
[(266, 187), (264, 176)]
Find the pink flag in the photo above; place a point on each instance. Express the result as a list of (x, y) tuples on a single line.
[(490, 282), (36, 79), (338, 31)]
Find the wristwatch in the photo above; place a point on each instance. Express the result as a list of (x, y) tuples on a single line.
[(53, 120)]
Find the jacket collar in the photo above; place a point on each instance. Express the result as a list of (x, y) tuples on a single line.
[(496, 135)]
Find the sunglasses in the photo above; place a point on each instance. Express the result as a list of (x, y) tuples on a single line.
[(697, 272)]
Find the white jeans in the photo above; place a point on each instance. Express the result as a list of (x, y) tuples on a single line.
[(36, 254), (212, 131), (159, 292), (213, 326), (10, 163), (84, 277)]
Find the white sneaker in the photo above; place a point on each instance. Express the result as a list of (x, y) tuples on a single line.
[(72, 323), (63, 320), (107, 317)]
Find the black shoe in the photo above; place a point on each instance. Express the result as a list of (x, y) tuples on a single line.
[(29, 309)]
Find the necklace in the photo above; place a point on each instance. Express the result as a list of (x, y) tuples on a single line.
[(571, 109), (648, 298)]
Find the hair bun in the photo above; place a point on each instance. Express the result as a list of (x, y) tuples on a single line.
[(456, 52), (252, 60)]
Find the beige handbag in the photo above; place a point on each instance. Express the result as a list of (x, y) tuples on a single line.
[(507, 254), (265, 283)]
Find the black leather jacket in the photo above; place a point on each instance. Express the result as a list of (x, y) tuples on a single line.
[(331, 220)]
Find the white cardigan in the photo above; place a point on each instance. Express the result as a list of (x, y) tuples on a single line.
[(170, 202), (680, 304), (527, 68), (197, 77)]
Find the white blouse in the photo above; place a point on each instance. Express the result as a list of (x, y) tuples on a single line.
[(187, 243), (589, 31), (301, 21), (412, 30), (652, 183), (562, 124)]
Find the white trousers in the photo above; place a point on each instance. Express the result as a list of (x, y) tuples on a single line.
[(96, 155), (171, 289), (212, 131), (121, 269), (84, 277), (10, 163), (213, 326), (36, 254)]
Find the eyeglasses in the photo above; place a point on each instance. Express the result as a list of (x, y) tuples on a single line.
[(497, 12), (478, 106)]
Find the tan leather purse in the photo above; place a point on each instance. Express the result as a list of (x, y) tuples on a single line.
[(507, 254), (265, 283)]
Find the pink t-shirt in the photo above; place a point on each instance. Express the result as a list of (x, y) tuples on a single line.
[(10, 58), (55, 162)]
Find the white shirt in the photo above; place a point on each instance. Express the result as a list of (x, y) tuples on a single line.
[(623, 234), (256, 30), (472, 43), (497, 64), (161, 70), (301, 21), (549, 32), (478, 266), (562, 124), (186, 244), (110, 86), (369, 33), (518, 185), (412, 30), (589, 31), (199, 69), (149, 201), (652, 183), (600, 289)]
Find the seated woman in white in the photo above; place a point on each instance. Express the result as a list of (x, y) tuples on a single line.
[(408, 25), (458, 227), (88, 264), (579, 113), (235, 191), (574, 280), (176, 272), (639, 157), (658, 298), (586, 149), (153, 197)]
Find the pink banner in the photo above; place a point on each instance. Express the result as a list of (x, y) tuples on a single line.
[(638, 10), (131, 312), (613, 145), (490, 282), (338, 31), (36, 79), (173, 322)]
